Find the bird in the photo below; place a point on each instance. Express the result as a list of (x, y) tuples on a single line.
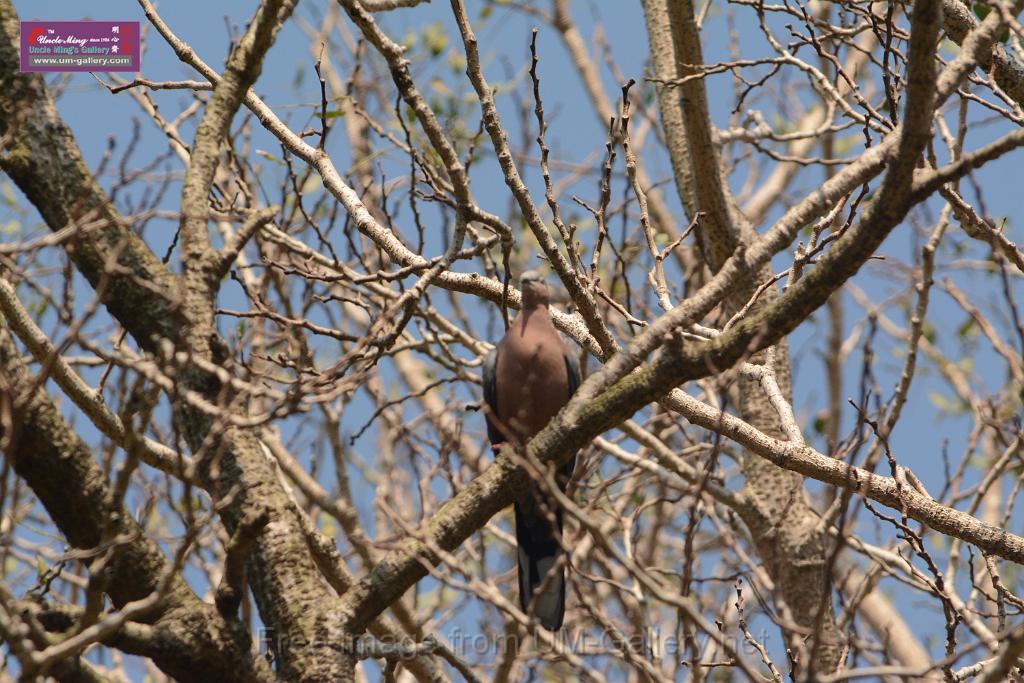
[(527, 378)]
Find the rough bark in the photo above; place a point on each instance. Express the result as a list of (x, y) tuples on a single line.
[(43, 159), (189, 639), (781, 520), (584, 418)]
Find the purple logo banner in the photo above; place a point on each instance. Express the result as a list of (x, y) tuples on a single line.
[(80, 46)]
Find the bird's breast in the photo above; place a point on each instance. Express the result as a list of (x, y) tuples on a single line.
[(532, 383)]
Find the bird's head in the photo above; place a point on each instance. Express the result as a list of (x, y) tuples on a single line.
[(534, 288)]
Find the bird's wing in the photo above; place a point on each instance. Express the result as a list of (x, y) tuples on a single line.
[(575, 377), (490, 382), (572, 369)]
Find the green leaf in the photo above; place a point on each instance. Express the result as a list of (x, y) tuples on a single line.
[(268, 156), (949, 406), (8, 195), (928, 331), (440, 87), (845, 144), (435, 39), (456, 61), (820, 422), (327, 525)]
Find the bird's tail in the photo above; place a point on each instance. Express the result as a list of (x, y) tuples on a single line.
[(540, 546)]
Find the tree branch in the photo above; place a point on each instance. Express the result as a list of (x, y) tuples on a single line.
[(195, 642), (232, 584)]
